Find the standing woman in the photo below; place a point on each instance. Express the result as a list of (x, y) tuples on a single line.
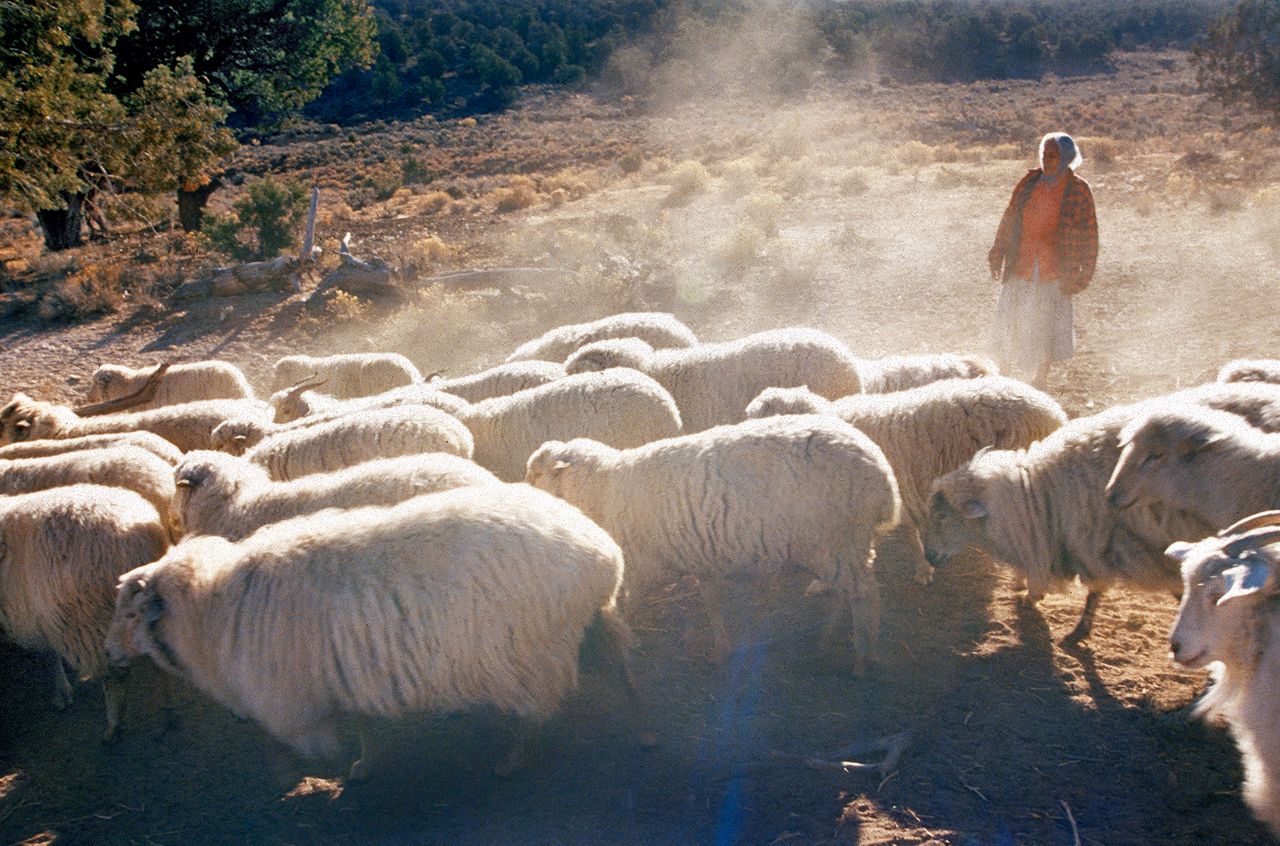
[(1044, 253)]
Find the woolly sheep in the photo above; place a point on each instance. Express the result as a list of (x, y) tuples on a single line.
[(220, 494), (901, 372), (501, 380), (473, 597), (1208, 463), (659, 329), (301, 408), (152, 443), (199, 380), (344, 441), (929, 431), (1229, 619), (1251, 370), (116, 467), (750, 498), (187, 426), (61, 551), (1043, 512), (713, 383), (620, 407), (349, 375)]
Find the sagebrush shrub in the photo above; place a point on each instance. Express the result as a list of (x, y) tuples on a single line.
[(262, 224)]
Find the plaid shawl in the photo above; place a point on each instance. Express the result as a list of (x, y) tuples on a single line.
[(1076, 241)]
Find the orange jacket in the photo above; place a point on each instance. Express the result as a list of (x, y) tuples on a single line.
[(1075, 242)]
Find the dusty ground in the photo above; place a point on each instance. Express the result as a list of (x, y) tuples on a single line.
[(865, 210)]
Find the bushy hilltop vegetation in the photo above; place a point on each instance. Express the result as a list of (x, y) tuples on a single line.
[(469, 55)]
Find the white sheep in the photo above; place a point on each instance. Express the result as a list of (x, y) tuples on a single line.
[(928, 431), (476, 597), (901, 372), (1042, 511), (351, 439), (61, 552), (187, 426), (149, 441), (713, 383), (620, 407), (349, 375), (1229, 620), (659, 329), (220, 494), (199, 380), (117, 467), (1208, 463), (745, 499), (501, 380), (301, 405), (1251, 370)]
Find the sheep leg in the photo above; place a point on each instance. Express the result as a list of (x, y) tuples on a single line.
[(523, 749), (63, 694), (860, 604), (617, 641), (713, 591), (1082, 629), (909, 537), (370, 754), (115, 686)]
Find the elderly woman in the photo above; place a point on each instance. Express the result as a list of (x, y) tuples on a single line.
[(1044, 253)]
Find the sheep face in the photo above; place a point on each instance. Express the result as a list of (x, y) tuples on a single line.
[(137, 614), (1158, 457), (546, 467), (1224, 593), (25, 419), (958, 514), (234, 437), (106, 383), (200, 478)]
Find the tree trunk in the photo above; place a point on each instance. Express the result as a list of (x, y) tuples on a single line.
[(191, 204), (61, 227)]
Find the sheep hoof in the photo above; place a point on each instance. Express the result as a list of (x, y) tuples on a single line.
[(923, 574), (360, 773), (111, 735)]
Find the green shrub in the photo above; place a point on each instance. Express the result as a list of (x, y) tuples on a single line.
[(262, 224)]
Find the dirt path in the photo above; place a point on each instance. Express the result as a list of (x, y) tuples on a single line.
[(865, 211)]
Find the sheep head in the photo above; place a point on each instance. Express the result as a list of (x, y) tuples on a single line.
[(772, 402), (1228, 581), (139, 608), (1158, 451), (602, 355)]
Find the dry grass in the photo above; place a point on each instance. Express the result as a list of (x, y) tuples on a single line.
[(687, 180), (521, 193)]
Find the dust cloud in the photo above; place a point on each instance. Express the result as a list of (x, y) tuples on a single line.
[(765, 187)]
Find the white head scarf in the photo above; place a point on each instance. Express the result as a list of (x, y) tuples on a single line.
[(1068, 154)]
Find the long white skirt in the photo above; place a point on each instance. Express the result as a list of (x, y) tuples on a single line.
[(1034, 323)]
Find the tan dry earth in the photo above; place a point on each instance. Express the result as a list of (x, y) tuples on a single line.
[(865, 210)]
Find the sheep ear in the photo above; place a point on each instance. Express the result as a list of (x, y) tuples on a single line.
[(973, 509), (559, 467), (22, 425), (1178, 550), (239, 440), (1253, 576)]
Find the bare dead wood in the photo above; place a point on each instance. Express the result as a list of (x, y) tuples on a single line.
[(307, 254), (138, 397), (370, 278), (892, 746)]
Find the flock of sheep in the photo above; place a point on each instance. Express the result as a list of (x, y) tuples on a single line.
[(370, 543)]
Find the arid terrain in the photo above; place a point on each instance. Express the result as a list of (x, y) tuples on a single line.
[(860, 207)]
